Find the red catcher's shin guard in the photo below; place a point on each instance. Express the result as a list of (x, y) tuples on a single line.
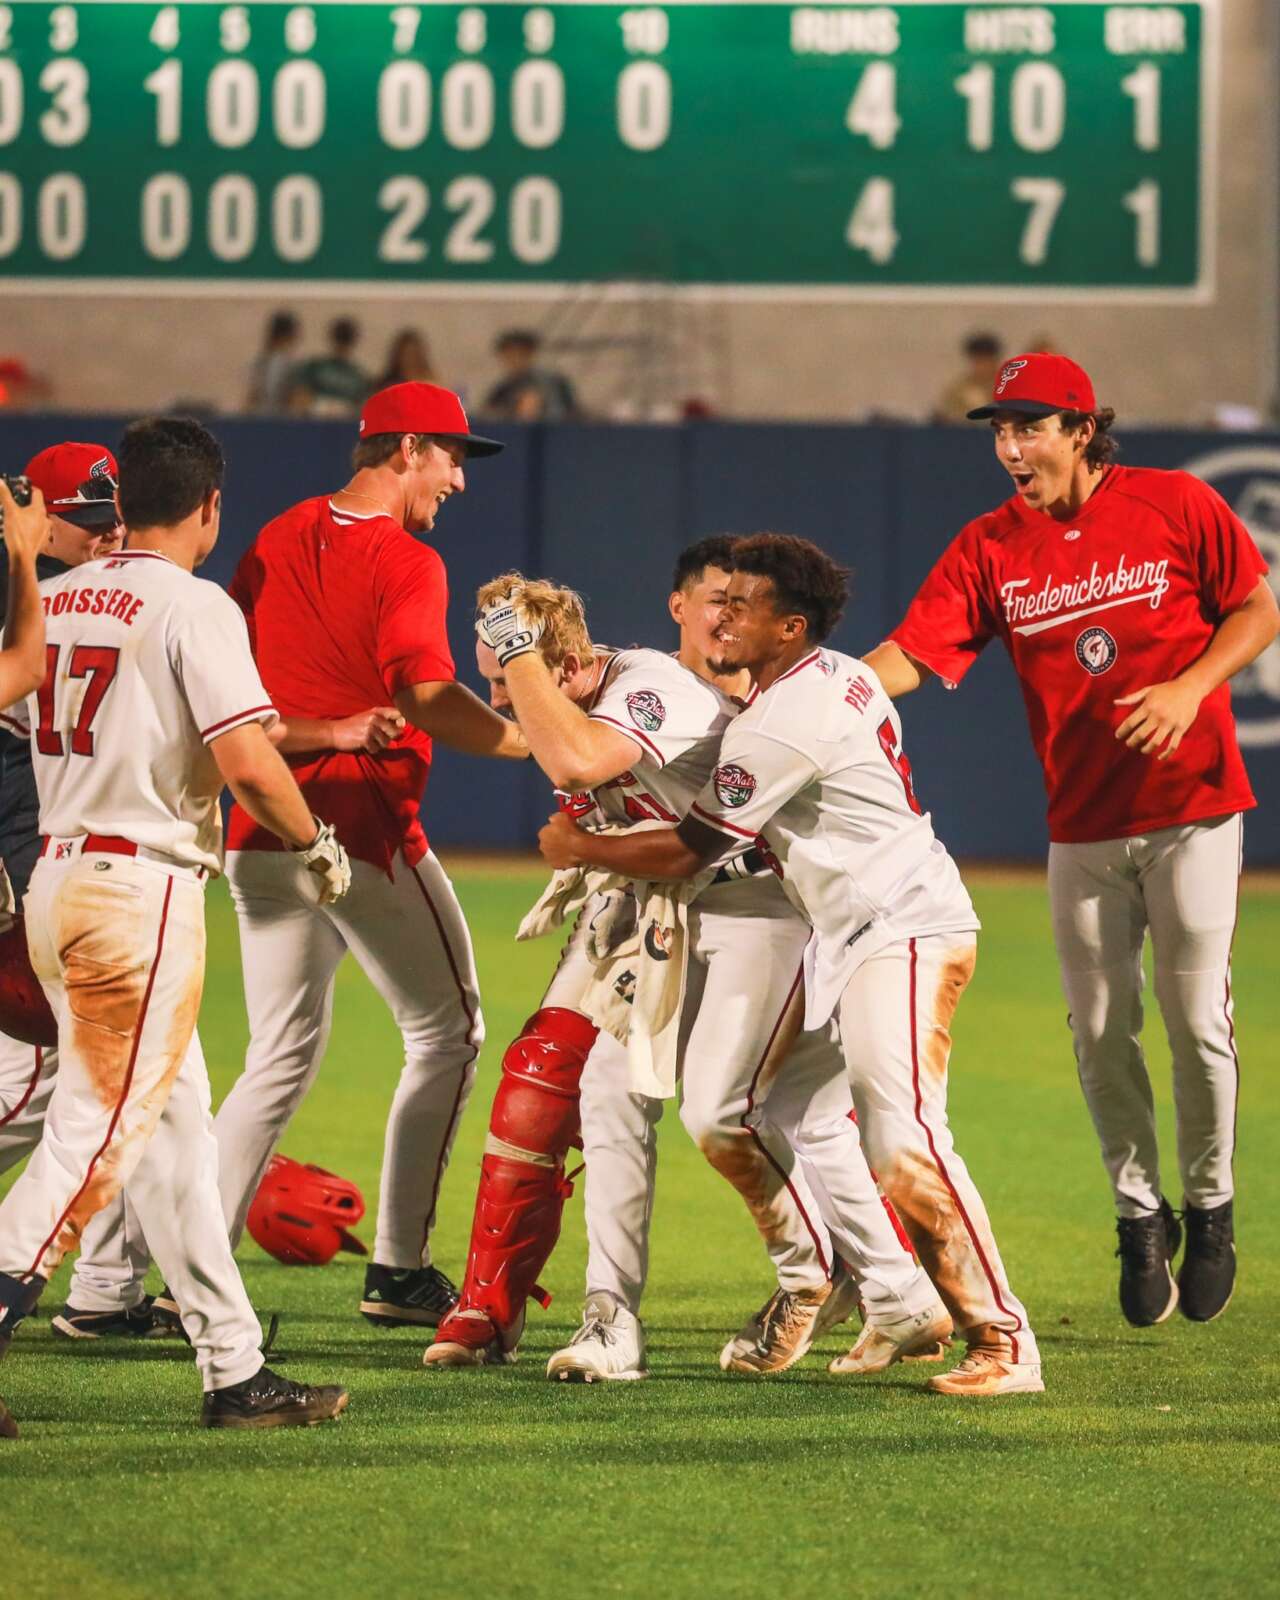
[(533, 1126)]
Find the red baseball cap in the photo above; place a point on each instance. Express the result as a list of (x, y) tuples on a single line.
[(422, 408), (1038, 385), (78, 482)]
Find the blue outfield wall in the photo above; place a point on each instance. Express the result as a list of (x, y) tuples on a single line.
[(607, 508)]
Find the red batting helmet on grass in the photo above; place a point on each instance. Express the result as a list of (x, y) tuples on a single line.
[(24, 1011), (301, 1213)]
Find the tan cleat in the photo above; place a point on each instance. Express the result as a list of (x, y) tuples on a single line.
[(931, 1352), (780, 1333), (884, 1341), (985, 1372)]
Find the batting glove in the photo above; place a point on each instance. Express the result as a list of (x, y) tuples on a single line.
[(326, 858), (507, 631)]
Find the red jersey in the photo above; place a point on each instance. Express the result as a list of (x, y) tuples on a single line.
[(343, 612), (1126, 594)]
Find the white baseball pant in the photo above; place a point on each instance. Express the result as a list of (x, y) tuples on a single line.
[(1183, 884), (895, 1029), (769, 1107), (113, 1255), (410, 938), (119, 946)]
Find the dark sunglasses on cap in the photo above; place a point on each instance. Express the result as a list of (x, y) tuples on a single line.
[(95, 506)]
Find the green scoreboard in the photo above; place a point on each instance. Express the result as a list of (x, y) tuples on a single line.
[(928, 147)]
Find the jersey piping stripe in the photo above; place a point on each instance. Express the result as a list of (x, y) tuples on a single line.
[(941, 1166), (759, 1143), (231, 722), (14, 726), (799, 667), (355, 516), (27, 1092), (34, 1268), (632, 733), (138, 555), (464, 1078), (721, 822), (609, 661)]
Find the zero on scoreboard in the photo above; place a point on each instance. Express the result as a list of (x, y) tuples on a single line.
[(927, 146)]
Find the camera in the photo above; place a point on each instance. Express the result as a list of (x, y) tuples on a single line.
[(19, 487)]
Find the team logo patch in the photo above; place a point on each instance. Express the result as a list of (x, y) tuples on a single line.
[(1008, 374), (734, 785), (826, 666), (646, 710), (658, 941), (1096, 651)]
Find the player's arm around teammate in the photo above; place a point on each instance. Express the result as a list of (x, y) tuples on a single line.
[(129, 775), (1126, 598), (816, 765)]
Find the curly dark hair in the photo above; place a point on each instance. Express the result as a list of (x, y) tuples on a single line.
[(694, 559), (1104, 447), (168, 467), (806, 581)]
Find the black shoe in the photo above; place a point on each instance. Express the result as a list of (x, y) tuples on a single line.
[(139, 1322), (1208, 1272), (404, 1297), (167, 1317), (269, 1401), (1148, 1244)]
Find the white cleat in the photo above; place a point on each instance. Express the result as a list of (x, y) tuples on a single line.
[(607, 1348), (886, 1340), (986, 1372)]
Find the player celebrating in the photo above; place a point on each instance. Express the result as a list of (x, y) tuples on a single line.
[(815, 765), (346, 609), (635, 733), (1126, 597), (150, 702)]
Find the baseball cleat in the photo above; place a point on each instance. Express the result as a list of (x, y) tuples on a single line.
[(844, 1301), (471, 1339), (269, 1401), (406, 1297), (608, 1347), (138, 1322), (985, 1372), (780, 1333), (1207, 1277), (886, 1340), (1148, 1293)]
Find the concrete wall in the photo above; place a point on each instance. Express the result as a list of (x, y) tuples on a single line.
[(1162, 364)]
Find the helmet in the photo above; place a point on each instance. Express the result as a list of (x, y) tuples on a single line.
[(24, 1011), (300, 1213)]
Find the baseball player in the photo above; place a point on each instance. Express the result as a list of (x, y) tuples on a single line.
[(346, 609), (815, 764), (1126, 598), (149, 703), (633, 734)]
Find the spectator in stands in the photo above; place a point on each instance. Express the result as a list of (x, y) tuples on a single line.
[(972, 387), (408, 361), (332, 385), (528, 392), (271, 374)]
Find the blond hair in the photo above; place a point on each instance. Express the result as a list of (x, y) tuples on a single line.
[(559, 610)]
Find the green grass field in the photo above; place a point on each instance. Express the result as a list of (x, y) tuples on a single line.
[(1148, 1468)]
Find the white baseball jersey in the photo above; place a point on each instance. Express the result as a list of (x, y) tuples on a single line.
[(815, 765), (676, 718), (146, 664)]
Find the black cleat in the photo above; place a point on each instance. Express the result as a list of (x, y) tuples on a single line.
[(167, 1317), (1148, 1244), (269, 1401), (406, 1297), (139, 1322), (1207, 1276)]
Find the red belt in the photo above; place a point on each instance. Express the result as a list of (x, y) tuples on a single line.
[(101, 843)]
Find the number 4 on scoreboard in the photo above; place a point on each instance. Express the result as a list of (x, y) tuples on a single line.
[(871, 222)]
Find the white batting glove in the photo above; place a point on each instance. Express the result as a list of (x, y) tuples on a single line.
[(326, 858), (507, 630), (611, 922)]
